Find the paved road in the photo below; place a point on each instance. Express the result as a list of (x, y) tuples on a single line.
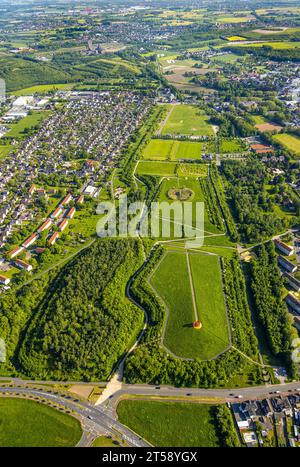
[(99, 418), (231, 395)]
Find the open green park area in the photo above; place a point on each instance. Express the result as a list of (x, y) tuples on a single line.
[(26, 123), (163, 149), (292, 142), (190, 284), (197, 196), (31, 424), (171, 169), (187, 120), (170, 423), (232, 146)]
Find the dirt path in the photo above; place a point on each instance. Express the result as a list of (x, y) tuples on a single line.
[(166, 119), (192, 286)]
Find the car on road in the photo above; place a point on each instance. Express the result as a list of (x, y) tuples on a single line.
[(239, 396), (90, 417), (157, 387), (188, 393)]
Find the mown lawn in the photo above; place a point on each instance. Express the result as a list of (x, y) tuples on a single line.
[(170, 424), (163, 169), (194, 185), (187, 120), (231, 146), (26, 423), (290, 141), (171, 281), (163, 149), (105, 442)]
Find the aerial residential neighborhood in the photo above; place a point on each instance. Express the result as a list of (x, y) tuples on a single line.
[(150, 226)]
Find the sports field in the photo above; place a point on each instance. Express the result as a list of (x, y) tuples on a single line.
[(187, 120), (292, 142), (163, 149), (26, 423), (179, 424), (184, 281), (163, 169)]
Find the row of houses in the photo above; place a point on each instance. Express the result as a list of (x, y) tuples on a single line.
[(47, 224)]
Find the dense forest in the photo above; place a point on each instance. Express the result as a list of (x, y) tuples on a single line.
[(251, 204), (84, 323)]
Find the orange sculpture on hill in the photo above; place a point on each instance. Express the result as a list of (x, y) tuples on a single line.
[(197, 325)]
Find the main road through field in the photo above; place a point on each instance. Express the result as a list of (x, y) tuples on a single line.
[(97, 418)]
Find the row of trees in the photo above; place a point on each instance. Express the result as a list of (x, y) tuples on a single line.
[(211, 203), (226, 429), (272, 311), (218, 187)]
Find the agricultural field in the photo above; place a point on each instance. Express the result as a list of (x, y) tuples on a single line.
[(165, 149), (170, 423), (274, 45), (190, 284), (187, 120), (30, 424), (290, 141), (235, 38)]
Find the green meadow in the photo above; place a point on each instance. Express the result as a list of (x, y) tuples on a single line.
[(26, 423), (187, 120), (175, 286), (292, 142), (178, 424)]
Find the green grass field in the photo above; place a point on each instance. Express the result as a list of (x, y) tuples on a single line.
[(163, 169), (17, 129), (105, 442), (170, 424), (162, 149), (26, 423), (5, 150), (274, 45), (258, 119), (193, 185), (231, 146), (43, 89), (290, 141), (187, 120), (172, 282)]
